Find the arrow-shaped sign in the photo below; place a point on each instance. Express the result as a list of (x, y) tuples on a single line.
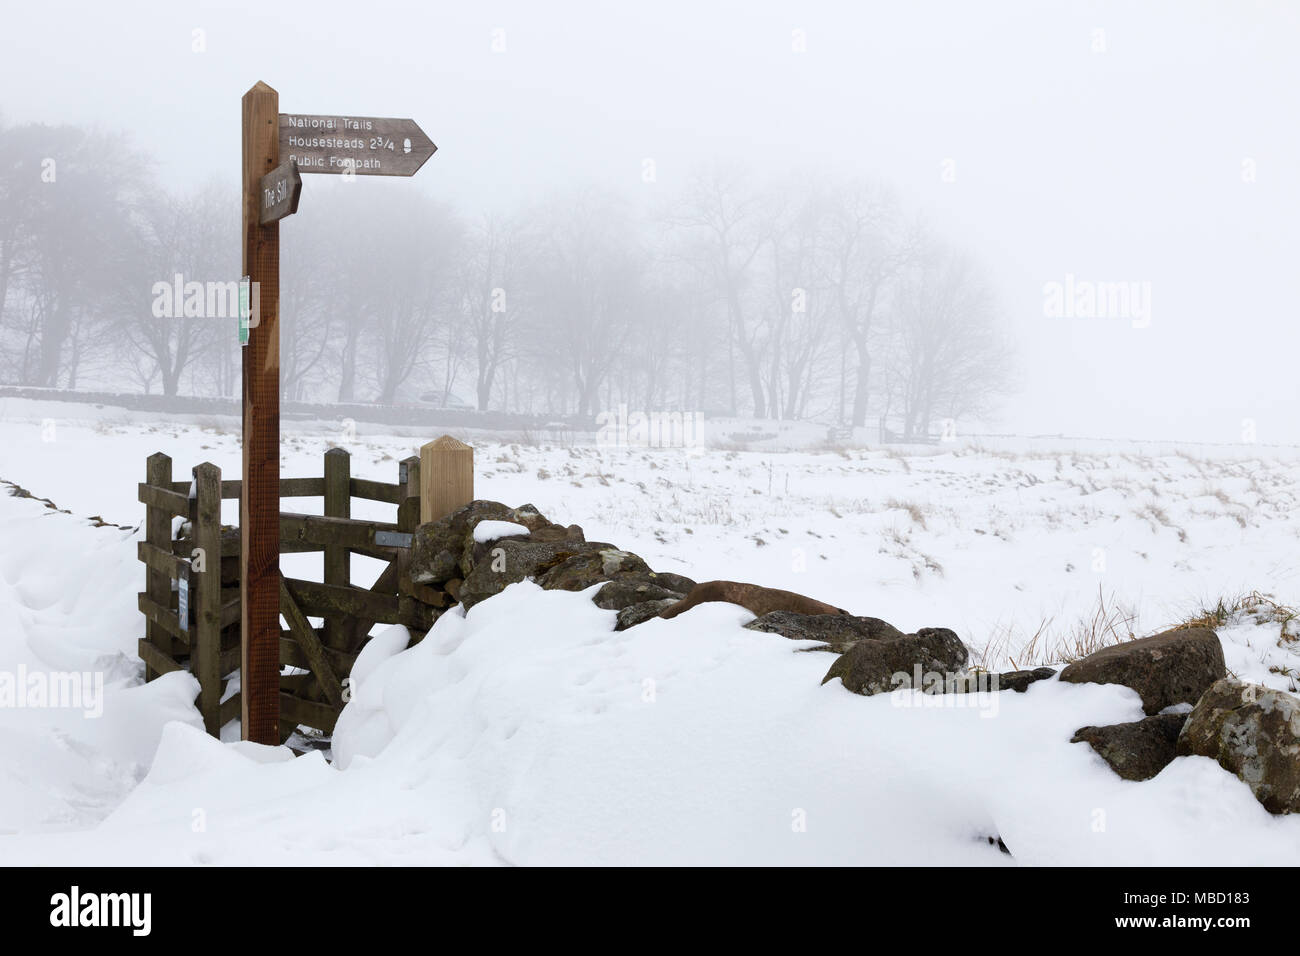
[(363, 145), (278, 193)]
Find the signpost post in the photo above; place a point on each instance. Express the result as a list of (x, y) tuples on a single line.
[(277, 148)]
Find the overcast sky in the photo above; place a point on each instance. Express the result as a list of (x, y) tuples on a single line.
[(1134, 141)]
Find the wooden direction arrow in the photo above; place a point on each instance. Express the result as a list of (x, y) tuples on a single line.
[(364, 145), (279, 191)]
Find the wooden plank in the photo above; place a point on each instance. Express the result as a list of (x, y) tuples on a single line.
[(378, 553), (231, 488), (338, 560), (162, 561), (156, 659), (163, 617), (321, 531), (416, 615), (323, 600), (206, 585), (230, 547), (259, 504), (230, 709), (305, 533), (297, 684), (302, 487), (171, 502), (292, 655), (231, 612), (447, 467), (386, 583), (308, 713), (375, 490), (230, 660), (311, 646)]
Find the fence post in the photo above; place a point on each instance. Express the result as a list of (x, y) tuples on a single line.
[(447, 472), (205, 650), (409, 515), (338, 504), (158, 532)]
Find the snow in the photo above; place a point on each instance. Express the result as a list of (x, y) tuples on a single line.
[(528, 731), (486, 531)]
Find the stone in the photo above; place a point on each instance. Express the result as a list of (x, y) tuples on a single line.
[(515, 559), (674, 582), (1138, 750), (986, 682), (582, 570), (617, 595), (879, 666), (446, 549), (437, 546), (635, 614), (839, 631), (1254, 732), (1019, 681), (1175, 667)]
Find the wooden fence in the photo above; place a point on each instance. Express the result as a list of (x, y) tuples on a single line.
[(193, 616)]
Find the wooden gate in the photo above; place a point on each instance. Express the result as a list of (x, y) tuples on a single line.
[(193, 617)]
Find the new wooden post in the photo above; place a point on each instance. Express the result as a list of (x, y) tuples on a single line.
[(446, 477), (259, 505)]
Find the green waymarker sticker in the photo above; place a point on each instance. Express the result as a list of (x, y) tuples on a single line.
[(245, 307)]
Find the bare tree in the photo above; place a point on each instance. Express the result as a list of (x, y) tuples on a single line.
[(586, 282), (194, 237), (71, 193), (731, 223), (493, 292), (409, 260), (864, 253), (949, 355), (798, 314)]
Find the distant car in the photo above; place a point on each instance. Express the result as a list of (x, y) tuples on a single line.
[(448, 400)]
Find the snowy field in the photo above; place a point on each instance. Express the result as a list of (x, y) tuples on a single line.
[(529, 732)]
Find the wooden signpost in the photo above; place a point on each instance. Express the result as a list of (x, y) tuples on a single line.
[(276, 149)]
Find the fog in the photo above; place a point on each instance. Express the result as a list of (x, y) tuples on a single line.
[(1151, 144)]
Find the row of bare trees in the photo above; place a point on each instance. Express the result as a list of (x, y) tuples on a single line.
[(795, 300)]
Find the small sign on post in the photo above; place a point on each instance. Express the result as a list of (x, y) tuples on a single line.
[(280, 189), (183, 600), (245, 308)]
